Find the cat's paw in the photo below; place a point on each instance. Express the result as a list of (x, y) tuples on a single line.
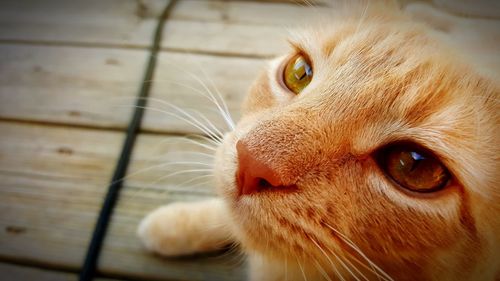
[(184, 228), (166, 230)]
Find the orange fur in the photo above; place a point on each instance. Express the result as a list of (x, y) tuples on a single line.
[(378, 79)]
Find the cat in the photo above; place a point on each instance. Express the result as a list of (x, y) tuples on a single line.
[(369, 152)]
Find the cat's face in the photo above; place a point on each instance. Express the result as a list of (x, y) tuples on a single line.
[(325, 190)]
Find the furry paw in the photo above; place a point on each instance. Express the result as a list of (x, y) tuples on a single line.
[(183, 228)]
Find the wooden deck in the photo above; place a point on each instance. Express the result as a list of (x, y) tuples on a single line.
[(69, 72)]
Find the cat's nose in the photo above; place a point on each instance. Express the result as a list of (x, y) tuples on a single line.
[(253, 174)]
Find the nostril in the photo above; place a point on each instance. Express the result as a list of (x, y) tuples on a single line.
[(262, 183), (254, 174)]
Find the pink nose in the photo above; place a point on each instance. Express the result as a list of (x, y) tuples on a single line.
[(253, 174)]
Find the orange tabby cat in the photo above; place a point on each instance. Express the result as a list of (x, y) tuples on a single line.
[(370, 151)]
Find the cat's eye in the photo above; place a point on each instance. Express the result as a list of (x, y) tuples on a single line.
[(298, 73), (414, 168)]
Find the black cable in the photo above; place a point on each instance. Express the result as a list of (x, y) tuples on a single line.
[(89, 267)]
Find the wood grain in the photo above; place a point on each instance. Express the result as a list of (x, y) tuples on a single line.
[(96, 87), (177, 81), (266, 13), (9, 272), (144, 191), (93, 22), (52, 181), (243, 28), (69, 85), (239, 28), (22, 273)]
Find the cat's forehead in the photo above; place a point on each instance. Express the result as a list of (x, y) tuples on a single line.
[(390, 65), (378, 66)]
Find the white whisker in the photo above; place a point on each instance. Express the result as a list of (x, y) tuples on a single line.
[(221, 99), (302, 270), (210, 156), (322, 271), (156, 167), (345, 266), (356, 269), (213, 148), (328, 258), (192, 118), (215, 129), (224, 114), (179, 173), (356, 248), (195, 179), (213, 138)]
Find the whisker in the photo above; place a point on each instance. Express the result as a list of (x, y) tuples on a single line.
[(234, 257), (322, 271), (185, 113), (191, 119), (362, 18), (170, 140), (197, 91), (179, 173), (151, 186), (328, 258), (204, 157), (369, 268), (221, 99), (301, 269), (213, 148), (188, 115), (181, 152), (356, 268), (215, 129), (214, 139), (129, 175), (195, 179), (224, 114), (345, 266), (228, 119), (356, 248)]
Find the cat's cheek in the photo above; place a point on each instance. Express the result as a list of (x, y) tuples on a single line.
[(410, 224)]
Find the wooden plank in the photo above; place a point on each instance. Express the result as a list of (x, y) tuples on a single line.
[(111, 22), (123, 254), (10, 272), (69, 85), (225, 39), (52, 181), (267, 13), (96, 87), (235, 28), (22, 273), (176, 82)]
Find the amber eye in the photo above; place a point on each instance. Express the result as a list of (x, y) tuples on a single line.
[(298, 73), (413, 168)]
